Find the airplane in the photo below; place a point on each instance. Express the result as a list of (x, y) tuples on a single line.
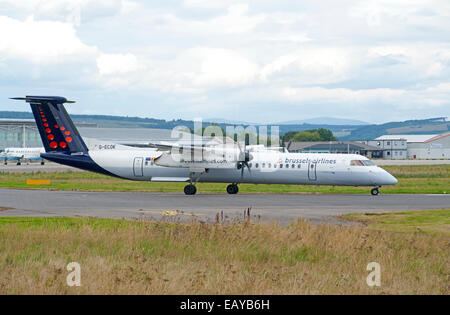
[(20, 154), (217, 162)]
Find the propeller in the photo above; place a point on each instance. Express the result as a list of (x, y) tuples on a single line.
[(244, 158)]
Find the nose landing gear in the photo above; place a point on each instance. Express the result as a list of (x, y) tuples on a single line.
[(374, 191), (232, 189)]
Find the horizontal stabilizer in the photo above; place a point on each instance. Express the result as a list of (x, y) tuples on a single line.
[(43, 99)]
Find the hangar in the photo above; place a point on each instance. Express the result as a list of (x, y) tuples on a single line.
[(18, 133), (424, 146), (24, 133)]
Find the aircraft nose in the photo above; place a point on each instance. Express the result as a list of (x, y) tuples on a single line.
[(383, 178), (388, 179)]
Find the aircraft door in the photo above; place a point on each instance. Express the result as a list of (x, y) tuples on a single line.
[(312, 171), (138, 166)]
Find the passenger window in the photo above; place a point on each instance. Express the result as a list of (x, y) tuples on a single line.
[(281, 165), (269, 165), (299, 166), (293, 165), (256, 165), (287, 165), (263, 165)]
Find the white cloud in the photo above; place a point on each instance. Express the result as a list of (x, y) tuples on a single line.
[(341, 95), (41, 41), (207, 4), (312, 65), (117, 64), (71, 11), (236, 20), (358, 58), (219, 67)]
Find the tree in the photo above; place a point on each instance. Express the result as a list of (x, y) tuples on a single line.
[(326, 135), (320, 134)]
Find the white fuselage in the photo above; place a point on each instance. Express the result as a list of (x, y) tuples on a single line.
[(269, 167)]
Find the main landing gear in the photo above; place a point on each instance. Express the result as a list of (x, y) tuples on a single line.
[(232, 189), (374, 191), (190, 189)]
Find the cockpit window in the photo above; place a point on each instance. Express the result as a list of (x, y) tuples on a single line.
[(361, 163)]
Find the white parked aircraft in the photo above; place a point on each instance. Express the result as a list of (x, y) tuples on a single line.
[(214, 162), (22, 154)]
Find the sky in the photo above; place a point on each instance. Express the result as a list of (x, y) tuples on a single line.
[(250, 60)]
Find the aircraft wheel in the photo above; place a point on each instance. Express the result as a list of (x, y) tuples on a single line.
[(232, 189), (18, 163), (190, 189), (42, 163), (374, 192)]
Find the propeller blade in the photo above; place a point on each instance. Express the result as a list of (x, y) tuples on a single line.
[(248, 167)]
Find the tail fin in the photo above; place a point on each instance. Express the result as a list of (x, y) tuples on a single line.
[(57, 130)]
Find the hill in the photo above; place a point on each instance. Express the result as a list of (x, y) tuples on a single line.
[(342, 132), (423, 126), (326, 121)]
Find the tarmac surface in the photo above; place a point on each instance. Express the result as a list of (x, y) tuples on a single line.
[(281, 208), (34, 167)]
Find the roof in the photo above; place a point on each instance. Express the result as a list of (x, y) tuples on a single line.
[(16, 120), (335, 145), (414, 138)]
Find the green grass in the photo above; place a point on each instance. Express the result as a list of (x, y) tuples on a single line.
[(429, 179), (428, 221), (55, 223)]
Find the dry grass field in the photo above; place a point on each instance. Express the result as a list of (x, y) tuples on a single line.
[(131, 257)]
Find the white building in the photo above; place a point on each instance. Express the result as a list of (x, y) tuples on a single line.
[(393, 146), (422, 146)]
